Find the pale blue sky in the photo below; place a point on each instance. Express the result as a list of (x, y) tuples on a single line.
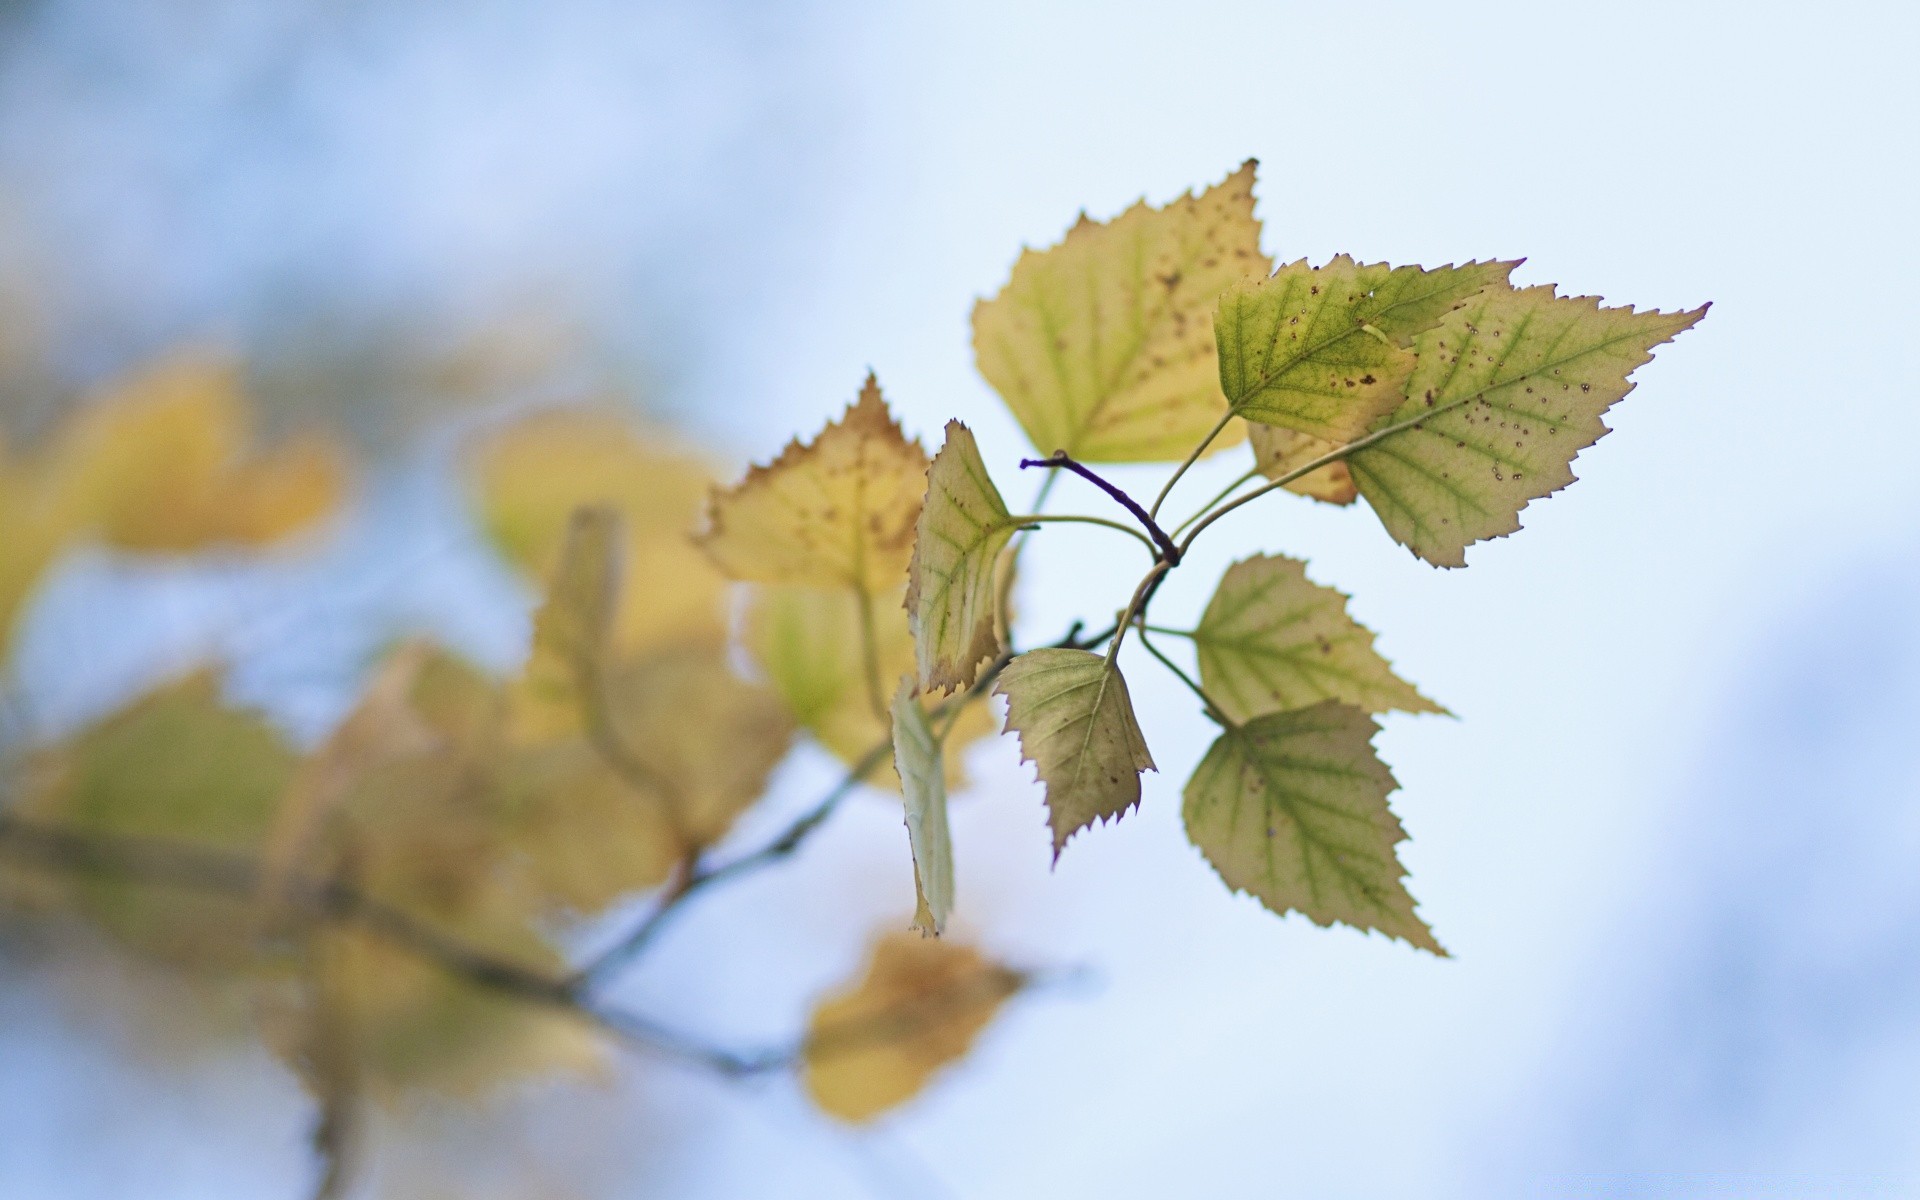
[(1670, 839)]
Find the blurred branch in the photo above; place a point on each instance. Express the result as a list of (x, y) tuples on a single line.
[(695, 876), (172, 864)]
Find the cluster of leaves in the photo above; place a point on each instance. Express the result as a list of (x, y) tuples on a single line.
[(396, 889), (1447, 397)]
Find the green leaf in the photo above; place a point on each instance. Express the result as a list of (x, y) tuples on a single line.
[(1292, 809), (964, 526), (179, 766), (1322, 350), (1272, 640), (923, 786), (1076, 725), (1515, 384), (1101, 345)]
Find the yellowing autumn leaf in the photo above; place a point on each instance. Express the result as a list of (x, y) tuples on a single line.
[(1076, 725), (176, 765), (1272, 640), (808, 643), (1278, 452), (1322, 350), (571, 632), (1508, 389), (951, 582), (163, 462), (32, 530), (923, 788), (1292, 808), (838, 511), (1102, 345), (918, 1007), (415, 838), (530, 477)]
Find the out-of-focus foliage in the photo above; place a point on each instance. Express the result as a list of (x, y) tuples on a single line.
[(163, 461), (405, 900), (919, 1006)]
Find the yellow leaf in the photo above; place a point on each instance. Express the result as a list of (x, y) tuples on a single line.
[(1103, 346), (1278, 451), (919, 1007), (532, 476), (31, 533), (838, 511), (951, 582), (161, 462), (1076, 725), (807, 641), (570, 632), (179, 766)]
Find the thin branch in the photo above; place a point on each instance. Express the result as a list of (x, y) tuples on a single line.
[(1063, 518), (1331, 456), (1061, 460), (1204, 509), (1192, 457), (1213, 709)]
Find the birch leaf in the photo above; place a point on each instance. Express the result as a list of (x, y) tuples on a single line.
[(176, 765), (918, 1007), (1292, 808), (165, 462), (923, 788), (571, 631), (530, 478), (1512, 386), (1323, 350), (1278, 452), (963, 527), (1076, 724), (1101, 345), (807, 641), (838, 511), (1271, 640)]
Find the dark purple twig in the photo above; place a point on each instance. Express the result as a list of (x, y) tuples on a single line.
[(1169, 553)]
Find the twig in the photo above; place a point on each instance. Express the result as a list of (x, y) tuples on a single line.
[(1060, 459)]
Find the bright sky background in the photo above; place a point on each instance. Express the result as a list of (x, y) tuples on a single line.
[(1672, 839)]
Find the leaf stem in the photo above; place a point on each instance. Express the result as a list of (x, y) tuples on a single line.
[(1061, 460), (1213, 710), (870, 654), (1229, 490), (1191, 458), (1331, 456), (1129, 530), (1179, 633)]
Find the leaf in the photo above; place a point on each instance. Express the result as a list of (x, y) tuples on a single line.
[(1076, 725), (807, 642), (963, 527), (1322, 350), (918, 1007), (1102, 346), (1278, 452), (838, 511), (30, 537), (162, 462), (532, 476), (1515, 384), (1271, 640), (382, 726), (570, 631), (176, 765), (1292, 808), (923, 787)]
